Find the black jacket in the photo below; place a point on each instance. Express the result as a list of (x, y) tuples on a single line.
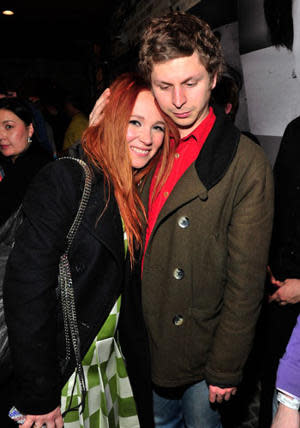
[(17, 177), (285, 246), (99, 275)]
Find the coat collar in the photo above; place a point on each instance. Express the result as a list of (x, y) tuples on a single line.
[(218, 151), (210, 167)]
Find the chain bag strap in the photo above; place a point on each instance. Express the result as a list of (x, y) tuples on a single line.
[(65, 285)]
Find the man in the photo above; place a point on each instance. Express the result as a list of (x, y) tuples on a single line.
[(208, 232), (209, 228)]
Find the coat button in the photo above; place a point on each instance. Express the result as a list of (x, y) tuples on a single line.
[(184, 222), (178, 273), (178, 320)]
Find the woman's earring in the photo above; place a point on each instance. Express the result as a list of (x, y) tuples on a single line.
[(29, 140)]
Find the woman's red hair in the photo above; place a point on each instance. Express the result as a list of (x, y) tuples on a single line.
[(107, 149)]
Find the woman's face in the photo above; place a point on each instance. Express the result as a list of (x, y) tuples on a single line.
[(146, 130), (13, 134)]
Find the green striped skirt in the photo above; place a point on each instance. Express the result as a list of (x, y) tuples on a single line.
[(109, 401)]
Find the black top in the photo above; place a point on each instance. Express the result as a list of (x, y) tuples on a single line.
[(16, 176)]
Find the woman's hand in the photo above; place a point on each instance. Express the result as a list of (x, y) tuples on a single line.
[(286, 418), (97, 112), (50, 420)]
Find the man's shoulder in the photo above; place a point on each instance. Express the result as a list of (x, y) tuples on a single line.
[(249, 150)]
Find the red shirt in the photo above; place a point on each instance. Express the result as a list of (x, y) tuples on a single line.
[(187, 152)]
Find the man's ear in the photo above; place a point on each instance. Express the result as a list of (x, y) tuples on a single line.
[(228, 108), (214, 81)]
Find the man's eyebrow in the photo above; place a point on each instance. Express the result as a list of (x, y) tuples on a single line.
[(162, 82)]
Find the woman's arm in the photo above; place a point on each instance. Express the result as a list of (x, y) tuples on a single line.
[(30, 300)]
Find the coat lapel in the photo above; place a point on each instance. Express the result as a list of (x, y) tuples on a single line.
[(104, 222)]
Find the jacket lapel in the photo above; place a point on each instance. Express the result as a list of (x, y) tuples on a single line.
[(104, 221)]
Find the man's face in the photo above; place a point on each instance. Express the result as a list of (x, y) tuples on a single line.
[(182, 87)]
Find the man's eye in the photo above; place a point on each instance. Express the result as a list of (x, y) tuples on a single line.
[(164, 87), (190, 84)]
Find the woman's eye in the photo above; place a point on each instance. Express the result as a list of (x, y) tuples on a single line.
[(7, 126), (159, 128), (134, 122)]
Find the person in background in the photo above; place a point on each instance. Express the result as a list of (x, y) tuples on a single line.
[(21, 157), (31, 89), (79, 121), (226, 96), (131, 140), (288, 384), (226, 93)]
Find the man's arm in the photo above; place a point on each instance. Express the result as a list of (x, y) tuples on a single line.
[(249, 235)]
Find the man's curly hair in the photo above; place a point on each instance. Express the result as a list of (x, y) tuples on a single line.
[(176, 35)]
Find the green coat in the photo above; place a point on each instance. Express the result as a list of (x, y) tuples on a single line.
[(205, 264)]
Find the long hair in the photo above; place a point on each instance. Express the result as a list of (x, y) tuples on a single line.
[(107, 149)]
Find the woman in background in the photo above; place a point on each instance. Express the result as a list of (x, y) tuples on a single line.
[(21, 157)]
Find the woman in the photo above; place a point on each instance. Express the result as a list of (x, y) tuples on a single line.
[(21, 156), (121, 150)]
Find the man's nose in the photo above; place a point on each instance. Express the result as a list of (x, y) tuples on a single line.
[(178, 97)]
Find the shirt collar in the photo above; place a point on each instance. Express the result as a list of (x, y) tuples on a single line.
[(195, 135)]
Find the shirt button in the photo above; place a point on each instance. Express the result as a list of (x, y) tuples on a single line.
[(178, 273), (177, 155), (184, 222), (178, 320), (166, 194)]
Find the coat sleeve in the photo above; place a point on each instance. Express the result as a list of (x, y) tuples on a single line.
[(248, 239), (29, 286)]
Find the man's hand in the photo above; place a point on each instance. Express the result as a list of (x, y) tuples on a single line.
[(273, 280), (217, 395), (97, 113), (286, 418), (50, 420), (288, 292)]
